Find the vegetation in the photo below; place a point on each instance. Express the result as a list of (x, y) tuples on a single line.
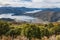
[(29, 30)]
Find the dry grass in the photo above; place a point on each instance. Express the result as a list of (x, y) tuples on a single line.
[(24, 38)]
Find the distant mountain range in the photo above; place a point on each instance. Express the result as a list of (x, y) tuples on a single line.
[(16, 10), (46, 14), (7, 19)]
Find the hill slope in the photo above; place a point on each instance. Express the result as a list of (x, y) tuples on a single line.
[(51, 15)]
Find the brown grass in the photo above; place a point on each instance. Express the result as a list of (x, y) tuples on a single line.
[(53, 37)]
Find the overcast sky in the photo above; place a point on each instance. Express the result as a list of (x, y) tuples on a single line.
[(31, 3)]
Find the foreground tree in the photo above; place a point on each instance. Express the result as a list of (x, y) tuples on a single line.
[(44, 31), (4, 28), (56, 29), (32, 31), (50, 25), (14, 32)]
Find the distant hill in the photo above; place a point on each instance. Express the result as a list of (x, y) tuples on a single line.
[(7, 19), (47, 14), (16, 10)]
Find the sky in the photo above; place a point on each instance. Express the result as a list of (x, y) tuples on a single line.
[(31, 3)]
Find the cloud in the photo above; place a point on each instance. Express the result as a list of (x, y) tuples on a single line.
[(31, 3), (33, 11), (27, 0), (53, 1), (20, 18), (37, 1)]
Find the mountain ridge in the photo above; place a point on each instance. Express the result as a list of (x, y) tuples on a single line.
[(46, 14), (50, 15)]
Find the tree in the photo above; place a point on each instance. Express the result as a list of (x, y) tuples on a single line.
[(50, 25), (32, 31), (56, 29), (44, 31), (13, 32), (4, 27)]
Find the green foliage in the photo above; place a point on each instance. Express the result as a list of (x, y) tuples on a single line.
[(56, 29), (50, 25), (44, 31), (4, 27), (14, 32), (32, 31), (29, 30)]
